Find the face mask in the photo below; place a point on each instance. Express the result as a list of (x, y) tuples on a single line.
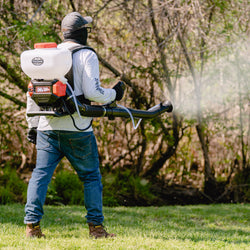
[(79, 36)]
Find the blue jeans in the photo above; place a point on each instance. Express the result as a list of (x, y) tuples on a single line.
[(81, 150)]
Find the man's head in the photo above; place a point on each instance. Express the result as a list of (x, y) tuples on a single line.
[(73, 27)]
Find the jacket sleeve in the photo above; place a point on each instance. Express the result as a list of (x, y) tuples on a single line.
[(32, 106), (91, 85)]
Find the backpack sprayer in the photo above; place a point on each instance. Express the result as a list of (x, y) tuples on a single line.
[(47, 66)]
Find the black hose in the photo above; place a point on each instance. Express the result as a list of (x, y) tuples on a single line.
[(109, 111), (73, 120), (99, 111)]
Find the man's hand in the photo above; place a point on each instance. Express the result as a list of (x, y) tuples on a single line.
[(119, 88), (31, 136)]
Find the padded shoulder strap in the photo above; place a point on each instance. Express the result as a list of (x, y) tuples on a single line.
[(73, 50), (79, 47)]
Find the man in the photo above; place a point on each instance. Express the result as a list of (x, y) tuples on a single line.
[(58, 137)]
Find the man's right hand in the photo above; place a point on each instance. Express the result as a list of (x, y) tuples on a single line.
[(31, 136), (119, 88)]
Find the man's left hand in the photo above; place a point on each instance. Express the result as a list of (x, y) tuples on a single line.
[(32, 134)]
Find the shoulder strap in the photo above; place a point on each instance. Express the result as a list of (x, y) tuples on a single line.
[(79, 47), (70, 76), (73, 50)]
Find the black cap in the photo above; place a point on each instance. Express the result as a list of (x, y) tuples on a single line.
[(74, 21)]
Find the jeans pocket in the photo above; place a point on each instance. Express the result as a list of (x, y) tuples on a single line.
[(42, 141), (81, 147)]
